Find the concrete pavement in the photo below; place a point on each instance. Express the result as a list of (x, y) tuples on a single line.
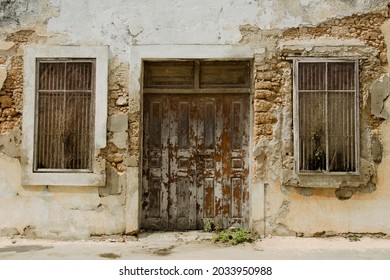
[(194, 245)]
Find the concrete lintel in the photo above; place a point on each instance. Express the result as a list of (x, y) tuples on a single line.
[(309, 44)]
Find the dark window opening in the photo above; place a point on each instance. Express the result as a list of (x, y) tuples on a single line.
[(65, 115), (327, 114)]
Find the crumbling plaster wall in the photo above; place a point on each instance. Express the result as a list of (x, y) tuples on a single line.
[(53, 211), (309, 205)]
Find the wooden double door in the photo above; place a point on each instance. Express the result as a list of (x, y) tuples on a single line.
[(195, 160)]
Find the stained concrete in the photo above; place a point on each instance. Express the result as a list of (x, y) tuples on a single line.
[(196, 246)]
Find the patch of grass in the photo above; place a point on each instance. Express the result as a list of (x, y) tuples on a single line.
[(233, 236), (208, 226), (353, 238)]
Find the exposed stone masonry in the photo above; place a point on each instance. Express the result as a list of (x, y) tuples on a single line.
[(11, 93), (269, 72)]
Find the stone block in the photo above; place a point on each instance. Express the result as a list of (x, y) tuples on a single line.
[(118, 123), (122, 101), (130, 160), (263, 85), (380, 90), (262, 105), (5, 101), (115, 158), (339, 30), (264, 94), (9, 112), (115, 183), (376, 149), (383, 57), (119, 139), (268, 75), (264, 118), (263, 129)]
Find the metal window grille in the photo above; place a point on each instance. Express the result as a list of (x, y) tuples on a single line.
[(64, 115), (326, 94)]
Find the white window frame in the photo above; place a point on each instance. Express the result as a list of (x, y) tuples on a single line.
[(31, 55), (296, 120)]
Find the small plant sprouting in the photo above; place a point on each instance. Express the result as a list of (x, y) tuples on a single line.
[(319, 155), (233, 236), (208, 226), (353, 238)]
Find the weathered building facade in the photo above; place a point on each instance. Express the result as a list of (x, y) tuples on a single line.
[(122, 115)]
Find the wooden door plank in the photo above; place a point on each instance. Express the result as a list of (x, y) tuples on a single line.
[(192, 173), (226, 161), (200, 184), (172, 172), (218, 184)]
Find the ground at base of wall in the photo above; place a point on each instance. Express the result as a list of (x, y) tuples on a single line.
[(194, 245)]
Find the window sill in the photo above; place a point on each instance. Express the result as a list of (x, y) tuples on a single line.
[(323, 173), (325, 180), (63, 179), (321, 180)]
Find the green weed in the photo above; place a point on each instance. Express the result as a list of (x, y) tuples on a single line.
[(233, 236)]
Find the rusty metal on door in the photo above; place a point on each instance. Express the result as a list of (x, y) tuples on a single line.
[(195, 159)]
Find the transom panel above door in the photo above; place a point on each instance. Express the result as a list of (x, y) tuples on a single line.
[(195, 149)]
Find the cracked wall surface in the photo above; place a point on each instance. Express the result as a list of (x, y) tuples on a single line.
[(282, 202), (333, 203)]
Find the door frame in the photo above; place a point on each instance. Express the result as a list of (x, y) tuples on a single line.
[(139, 53)]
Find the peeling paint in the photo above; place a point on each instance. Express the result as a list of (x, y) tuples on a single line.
[(273, 31)]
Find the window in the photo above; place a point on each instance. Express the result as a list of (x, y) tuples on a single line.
[(64, 115), (326, 115)]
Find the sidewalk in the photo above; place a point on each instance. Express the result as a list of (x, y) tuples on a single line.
[(194, 245)]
